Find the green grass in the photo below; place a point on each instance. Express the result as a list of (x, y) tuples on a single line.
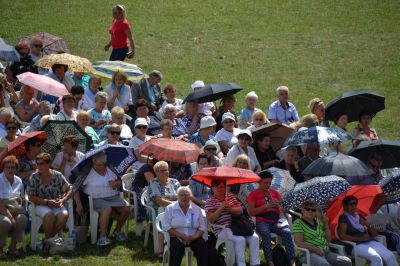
[(316, 48)]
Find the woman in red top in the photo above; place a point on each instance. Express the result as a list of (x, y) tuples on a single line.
[(263, 203), (120, 32)]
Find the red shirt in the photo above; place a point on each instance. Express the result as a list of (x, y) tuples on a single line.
[(258, 198), (118, 36)]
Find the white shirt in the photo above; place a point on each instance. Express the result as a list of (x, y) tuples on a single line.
[(68, 165), (135, 144), (236, 150), (205, 108), (8, 190), (178, 105), (185, 224), (88, 100), (97, 186), (123, 98), (222, 135)]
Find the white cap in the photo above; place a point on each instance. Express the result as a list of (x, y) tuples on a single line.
[(207, 121), (198, 84), (211, 143), (228, 115), (245, 132), (140, 121)]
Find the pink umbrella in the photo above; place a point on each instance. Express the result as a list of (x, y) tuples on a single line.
[(43, 83)]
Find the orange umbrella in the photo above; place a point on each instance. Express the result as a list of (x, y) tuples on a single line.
[(232, 175), (370, 199), (17, 146)]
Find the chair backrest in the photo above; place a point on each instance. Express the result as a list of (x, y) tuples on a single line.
[(144, 198), (127, 180)]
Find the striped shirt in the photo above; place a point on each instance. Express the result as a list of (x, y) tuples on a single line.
[(212, 205), (313, 235)]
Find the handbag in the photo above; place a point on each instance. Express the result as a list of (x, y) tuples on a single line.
[(242, 225), (279, 256)]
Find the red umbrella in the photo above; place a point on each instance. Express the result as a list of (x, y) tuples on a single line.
[(232, 175), (43, 83), (171, 150), (17, 146), (370, 199)]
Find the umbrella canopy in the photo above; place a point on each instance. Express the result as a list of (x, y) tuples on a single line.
[(370, 199), (8, 52), (232, 175), (391, 186), (317, 134), (277, 132), (171, 150), (108, 68), (43, 84), (57, 130), (337, 164), (320, 189), (352, 103), (387, 149), (282, 181), (75, 63), (51, 44), (213, 92), (17, 146), (119, 159)]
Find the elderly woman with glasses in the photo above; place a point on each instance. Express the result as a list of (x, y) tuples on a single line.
[(184, 221), (311, 232), (27, 161), (102, 185), (11, 211), (353, 227), (68, 113), (263, 203), (243, 147), (11, 129), (28, 107), (211, 149), (113, 134), (49, 191), (140, 137)]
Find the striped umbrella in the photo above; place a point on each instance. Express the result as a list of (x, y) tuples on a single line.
[(232, 175), (171, 150), (108, 68)]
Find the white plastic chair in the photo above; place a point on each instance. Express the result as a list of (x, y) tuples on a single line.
[(37, 222), (131, 195), (143, 200), (229, 245), (94, 220)]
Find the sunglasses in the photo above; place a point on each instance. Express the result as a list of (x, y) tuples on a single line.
[(141, 127), (115, 132), (210, 149), (12, 128), (310, 210)]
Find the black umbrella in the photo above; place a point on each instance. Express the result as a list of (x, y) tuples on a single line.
[(319, 189), (337, 164), (352, 103), (391, 186), (387, 149), (57, 130), (213, 92)]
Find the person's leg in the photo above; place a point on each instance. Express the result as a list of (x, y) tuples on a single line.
[(199, 249), (387, 256), (5, 227), (17, 233), (315, 259), (364, 250), (285, 234), (263, 230), (176, 251), (336, 259), (48, 225), (254, 249), (61, 220), (240, 245), (122, 215), (103, 221)]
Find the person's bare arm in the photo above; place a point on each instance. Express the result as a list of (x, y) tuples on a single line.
[(162, 202), (299, 240), (223, 144), (128, 33)]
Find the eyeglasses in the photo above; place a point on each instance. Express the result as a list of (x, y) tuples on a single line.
[(310, 210), (210, 149), (115, 132), (229, 121), (12, 128), (141, 127)]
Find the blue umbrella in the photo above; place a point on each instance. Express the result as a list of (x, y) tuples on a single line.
[(319, 189), (108, 68), (282, 181), (119, 159), (8, 52), (317, 134), (391, 187)]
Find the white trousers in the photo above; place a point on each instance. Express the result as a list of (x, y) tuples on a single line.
[(376, 253), (240, 246)]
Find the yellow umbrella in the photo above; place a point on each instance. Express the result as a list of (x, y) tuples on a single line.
[(75, 63)]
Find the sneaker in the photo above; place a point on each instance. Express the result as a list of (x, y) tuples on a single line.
[(119, 236), (104, 241)]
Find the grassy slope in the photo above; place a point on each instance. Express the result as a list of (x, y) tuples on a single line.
[(317, 48)]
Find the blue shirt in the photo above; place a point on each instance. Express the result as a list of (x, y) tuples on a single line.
[(150, 89), (246, 115), (284, 116), (95, 117)]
